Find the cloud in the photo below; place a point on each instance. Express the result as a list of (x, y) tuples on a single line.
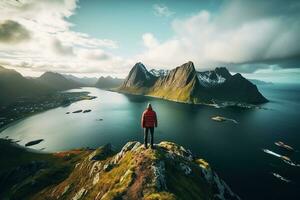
[(245, 33), (162, 10), (96, 54), (13, 32), (149, 40), (60, 49), (53, 45)]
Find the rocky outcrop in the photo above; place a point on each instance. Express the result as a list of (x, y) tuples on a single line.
[(139, 77), (167, 172), (185, 84)]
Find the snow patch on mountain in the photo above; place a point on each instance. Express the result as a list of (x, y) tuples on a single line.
[(159, 72), (210, 78)]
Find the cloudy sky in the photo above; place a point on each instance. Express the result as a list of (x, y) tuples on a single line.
[(97, 37)]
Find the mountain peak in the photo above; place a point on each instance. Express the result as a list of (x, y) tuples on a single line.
[(185, 84), (14, 85), (139, 65), (5, 70), (52, 74), (57, 81), (138, 77), (189, 65), (223, 71)]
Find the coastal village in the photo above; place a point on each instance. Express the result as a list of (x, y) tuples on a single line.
[(24, 107)]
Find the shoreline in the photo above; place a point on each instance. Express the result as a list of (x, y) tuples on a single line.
[(29, 114), (223, 104)]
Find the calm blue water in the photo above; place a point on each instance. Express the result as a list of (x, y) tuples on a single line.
[(233, 150)]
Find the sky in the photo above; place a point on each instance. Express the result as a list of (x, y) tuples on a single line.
[(257, 38)]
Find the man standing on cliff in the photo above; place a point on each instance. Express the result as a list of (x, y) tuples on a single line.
[(149, 121)]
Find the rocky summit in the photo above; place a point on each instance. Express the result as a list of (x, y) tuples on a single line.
[(185, 84), (139, 77), (167, 172)]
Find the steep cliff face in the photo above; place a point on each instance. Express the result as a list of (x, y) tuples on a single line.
[(180, 84), (185, 84), (139, 80), (220, 85), (167, 172), (244, 90)]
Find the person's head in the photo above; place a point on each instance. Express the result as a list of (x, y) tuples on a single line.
[(149, 106)]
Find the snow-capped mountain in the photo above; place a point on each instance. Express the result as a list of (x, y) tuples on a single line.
[(214, 77), (185, 84), (209, 78), (159, 72)]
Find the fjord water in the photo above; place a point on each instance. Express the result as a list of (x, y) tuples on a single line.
[(233, 150)]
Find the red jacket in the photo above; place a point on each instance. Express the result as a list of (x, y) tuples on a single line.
[(149, 118)]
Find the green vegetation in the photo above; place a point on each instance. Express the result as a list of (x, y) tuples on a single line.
[(25, 172), (166, 173), (182, 94), (161, 196), (184, 84)]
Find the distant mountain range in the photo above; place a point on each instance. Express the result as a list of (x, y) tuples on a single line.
[(108, 82), (259, 82), (13, 86), (57, 81), (84, 81), (185, 84)]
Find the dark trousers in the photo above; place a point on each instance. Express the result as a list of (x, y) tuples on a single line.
[(146, 133)]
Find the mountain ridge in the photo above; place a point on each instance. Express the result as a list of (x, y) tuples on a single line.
[(13, 86), (84, 81), (139, 77), (108, 82), (167, 172), (185, 84), (179, 84), (57, 81)]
